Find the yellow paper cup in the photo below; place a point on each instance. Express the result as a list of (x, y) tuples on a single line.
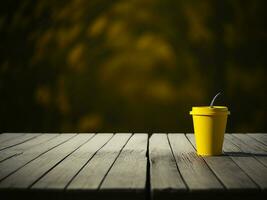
[(209, 127)]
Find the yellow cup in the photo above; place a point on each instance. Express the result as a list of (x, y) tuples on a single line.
[(209, 127)]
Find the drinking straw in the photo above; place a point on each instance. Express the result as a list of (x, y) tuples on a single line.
[(212, 102)]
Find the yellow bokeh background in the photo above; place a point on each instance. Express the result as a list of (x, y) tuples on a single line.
[(135, 65)]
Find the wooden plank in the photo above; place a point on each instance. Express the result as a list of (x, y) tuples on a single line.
[(165, 178), (11, 165), (9, 136), (127, 177), (251, 166), (19, 149), (261, 137), (227, 170), (250, 146), (241, 141), (129, 170), (91, 176), (61, 175), (17, 140), (193, 168), (252, 142), (30, 173)]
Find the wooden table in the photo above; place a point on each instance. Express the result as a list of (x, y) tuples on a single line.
[(130, 166)]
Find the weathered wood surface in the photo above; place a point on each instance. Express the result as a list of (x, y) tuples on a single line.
[(13, 164), (249, 164), (227, 170), (33, 171), (130, 166), (12, 141), (249, 146), (164, 175), (20, 148), (128, 173), (7, 136), (61, 175), (129, 169), (91, 176), (259, 137), (193, 168)]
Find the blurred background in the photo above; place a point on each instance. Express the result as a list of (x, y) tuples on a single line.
[(130, 65)]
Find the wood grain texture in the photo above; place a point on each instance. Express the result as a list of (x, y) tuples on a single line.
[(34, 170), (227, 170), (129, 166), (19, 149), (127, 177), (249, 164), (61, 175), (249, 146), (91, 176), (13, 164), (261, 137), (193, 168), (9, 136), (17, 140), (252, 142), (165, 178), (129, 170)]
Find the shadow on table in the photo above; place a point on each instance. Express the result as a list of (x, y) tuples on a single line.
[(244, 154)]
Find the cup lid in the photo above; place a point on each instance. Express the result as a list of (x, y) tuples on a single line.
[(210, 110)]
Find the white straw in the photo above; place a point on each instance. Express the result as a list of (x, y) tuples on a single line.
[(212, 102)]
